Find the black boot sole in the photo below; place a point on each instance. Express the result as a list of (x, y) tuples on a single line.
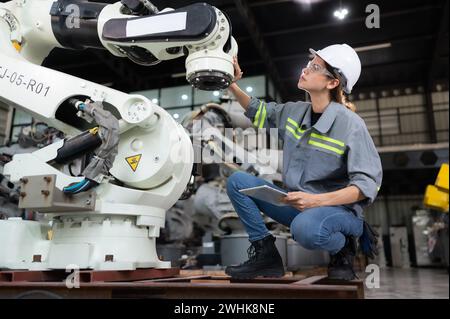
[(266, 273), (341, 275)]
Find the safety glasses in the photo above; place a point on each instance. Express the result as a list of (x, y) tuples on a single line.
[(316, 68)]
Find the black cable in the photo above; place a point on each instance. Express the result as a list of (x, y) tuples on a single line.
[(71, 172)]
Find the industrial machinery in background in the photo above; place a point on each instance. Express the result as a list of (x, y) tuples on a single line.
[(423, 240), (430, 233), (398, 237), (431, 227), (30, 138), (130, 160), (9, 198), (436, 196)]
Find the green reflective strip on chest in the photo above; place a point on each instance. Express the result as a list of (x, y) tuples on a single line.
[(327, 147), (256, 120), (290, 129), (291, 121), (263, 117), (328, 139)]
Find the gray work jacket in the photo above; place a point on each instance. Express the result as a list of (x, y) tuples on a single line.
[(336, 152)]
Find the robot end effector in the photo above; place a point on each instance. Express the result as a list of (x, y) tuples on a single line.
[(200, 31), (136, 29)]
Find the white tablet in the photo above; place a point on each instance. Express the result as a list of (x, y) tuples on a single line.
[(266, 193)]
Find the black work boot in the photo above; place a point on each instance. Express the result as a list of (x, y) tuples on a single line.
[(341, 264), (264, 260)]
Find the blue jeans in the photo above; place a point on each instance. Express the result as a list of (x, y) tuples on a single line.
[(321, 228)]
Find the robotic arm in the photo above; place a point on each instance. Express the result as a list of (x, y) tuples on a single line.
[(143, 158)]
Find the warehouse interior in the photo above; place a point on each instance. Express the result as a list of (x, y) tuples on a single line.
[(402, 95)]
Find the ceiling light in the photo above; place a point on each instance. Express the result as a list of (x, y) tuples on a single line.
[(373, 47), (341, 13), (155, 101), (216, 93), (249, 89), (176, 116), (184, 97), (307, 2)]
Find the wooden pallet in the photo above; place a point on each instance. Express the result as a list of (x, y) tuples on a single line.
[(154, 283), (88, 276)]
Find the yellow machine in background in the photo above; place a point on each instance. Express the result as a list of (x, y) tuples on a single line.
[(437, 195)]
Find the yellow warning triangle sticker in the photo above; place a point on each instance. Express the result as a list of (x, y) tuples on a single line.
[(133, 161)]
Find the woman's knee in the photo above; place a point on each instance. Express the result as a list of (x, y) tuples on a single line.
[(305, 232), (235, 180), (241, 180)]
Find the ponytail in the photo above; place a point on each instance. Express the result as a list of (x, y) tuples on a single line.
[(338, 95)]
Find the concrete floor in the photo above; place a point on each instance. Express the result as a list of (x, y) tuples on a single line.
[(410, 283)]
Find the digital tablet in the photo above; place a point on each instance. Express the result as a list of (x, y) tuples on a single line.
[(266, 193)]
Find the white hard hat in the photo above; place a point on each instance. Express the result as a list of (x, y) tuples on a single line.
[(345, 60)]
